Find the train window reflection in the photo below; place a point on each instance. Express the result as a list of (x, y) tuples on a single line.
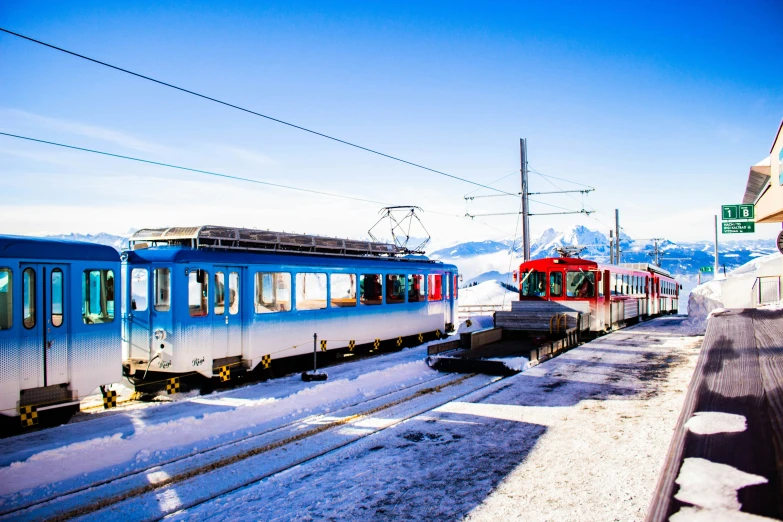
[(533, 284), (273, 292), (139, 289), (395, 288), (6, 299), (233, 293), (28, 307), (580, 284), (343, 290), (57, 298), (310, 291), (371, 289), (556, 284), (220, 294), (162, 283), (416, 288), (198, 292), (98, 296), (435, 287)]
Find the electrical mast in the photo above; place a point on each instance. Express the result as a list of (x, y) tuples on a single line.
[(525, 202)]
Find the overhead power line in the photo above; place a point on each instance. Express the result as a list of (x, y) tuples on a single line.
[(207, 172), (228, 176), (249, 111)]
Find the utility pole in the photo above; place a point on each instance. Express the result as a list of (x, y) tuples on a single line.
[(657, 252), (611, 247), (617, 236), (717, 266), (525, 202)]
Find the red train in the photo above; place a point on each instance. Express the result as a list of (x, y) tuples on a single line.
[(613, 295)]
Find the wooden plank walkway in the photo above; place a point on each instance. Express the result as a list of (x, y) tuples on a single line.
[(739, 372)]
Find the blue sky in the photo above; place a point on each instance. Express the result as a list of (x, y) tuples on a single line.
[(661, 107)]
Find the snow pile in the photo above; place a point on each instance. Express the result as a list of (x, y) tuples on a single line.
[(487, 293), (735, 291)]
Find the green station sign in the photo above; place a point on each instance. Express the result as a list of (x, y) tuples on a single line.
[(738, 227), (731, 212), (707, 269)]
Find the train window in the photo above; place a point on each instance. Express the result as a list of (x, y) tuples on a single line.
[(371, 289), (28, 285), (6, 298), (343, 290), (273, 292), (613, 284), (601, 288), (456, 286), (447, 286), (534, 284), (198, 293), (415, 288), (162, 283), (580, 284), (310, 291), (556, 284), (220, 294), (98, 296), (435, 287), (139, 289), (395, 288), (57, 298), (233, 293)]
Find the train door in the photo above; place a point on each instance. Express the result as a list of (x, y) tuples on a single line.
[(138, 317), (227, 321), (605, 302), (44, 357)]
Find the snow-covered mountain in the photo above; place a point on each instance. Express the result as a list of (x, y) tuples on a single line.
[(118, 242)]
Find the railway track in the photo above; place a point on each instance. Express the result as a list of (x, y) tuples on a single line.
[(189, 480)]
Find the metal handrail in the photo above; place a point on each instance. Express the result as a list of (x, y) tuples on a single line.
[(760, 292)]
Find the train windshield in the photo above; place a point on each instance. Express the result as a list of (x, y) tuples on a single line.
[(580, 284), (533, 284)]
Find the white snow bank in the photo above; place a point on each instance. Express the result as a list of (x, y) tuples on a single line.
[(487, 293), (735, 290)]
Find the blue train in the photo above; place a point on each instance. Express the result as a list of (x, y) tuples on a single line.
[(59, 324), (217, 301)]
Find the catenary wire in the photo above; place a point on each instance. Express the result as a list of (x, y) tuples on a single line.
[(237, 178), (249, 111)]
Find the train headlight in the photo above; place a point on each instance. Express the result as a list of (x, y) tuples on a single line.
[(160, 334)]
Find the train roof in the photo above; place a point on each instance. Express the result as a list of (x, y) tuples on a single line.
[(648, 267), (560, 261), (180, 254), (24, 247), (252, 240)]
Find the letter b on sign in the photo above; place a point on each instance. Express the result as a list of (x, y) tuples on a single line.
[(746, 212)]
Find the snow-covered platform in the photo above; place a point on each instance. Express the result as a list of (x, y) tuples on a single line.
[(726, 455)]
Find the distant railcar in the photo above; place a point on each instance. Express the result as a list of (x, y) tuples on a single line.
[(214, 300), (59, 328), (612, 295)]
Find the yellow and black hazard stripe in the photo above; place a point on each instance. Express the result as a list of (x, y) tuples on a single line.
[(172, 385), (109, 399), (266, 361), (28, 415), (399, 342), (437, 334), (376, 344), (323, 346), (351, 345), (225, 373)]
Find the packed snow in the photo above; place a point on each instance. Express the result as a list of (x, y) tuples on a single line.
[(487, 293), (733, 291)]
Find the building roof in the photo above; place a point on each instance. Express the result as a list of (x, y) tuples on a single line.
[(34, 248)]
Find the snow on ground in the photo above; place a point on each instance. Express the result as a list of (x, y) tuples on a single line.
[(579, 437), (733, 291), (487, 293), (115, 442)]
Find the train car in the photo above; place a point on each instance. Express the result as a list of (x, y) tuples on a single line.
[(218, 301), (612, 295), (59, 334)]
